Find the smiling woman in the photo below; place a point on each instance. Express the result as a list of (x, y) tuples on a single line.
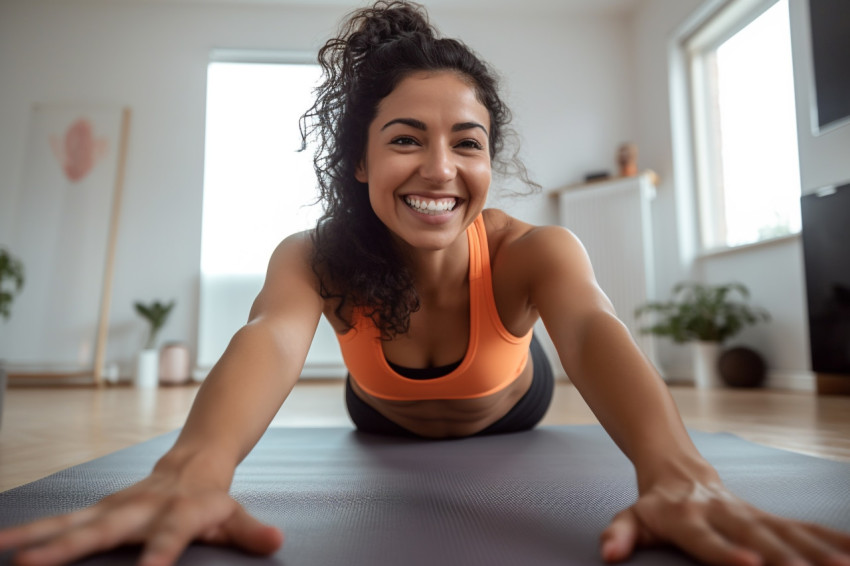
[(434, 312)]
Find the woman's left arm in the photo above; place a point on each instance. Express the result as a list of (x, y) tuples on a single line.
[(681, 498)]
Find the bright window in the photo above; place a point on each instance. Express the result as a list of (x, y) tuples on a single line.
[(744, 119), (257, 187)]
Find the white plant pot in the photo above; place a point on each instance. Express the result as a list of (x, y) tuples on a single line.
[(147, 369), (706, 373)]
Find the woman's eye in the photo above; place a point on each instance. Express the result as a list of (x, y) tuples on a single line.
[(404, 140), (470, 144)]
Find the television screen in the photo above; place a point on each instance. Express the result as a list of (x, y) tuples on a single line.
[(826, 254), (830, 26)]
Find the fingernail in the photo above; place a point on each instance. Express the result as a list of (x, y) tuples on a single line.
[(609, 551)]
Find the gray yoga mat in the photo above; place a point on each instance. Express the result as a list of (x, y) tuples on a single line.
[(537, 498)]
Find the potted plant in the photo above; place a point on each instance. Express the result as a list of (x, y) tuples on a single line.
[(706, 315), (147, 369), (11, 283)]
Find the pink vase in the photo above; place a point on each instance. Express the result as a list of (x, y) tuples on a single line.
[(174, 363)]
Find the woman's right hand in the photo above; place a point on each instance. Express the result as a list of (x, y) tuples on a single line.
[(161, 513)]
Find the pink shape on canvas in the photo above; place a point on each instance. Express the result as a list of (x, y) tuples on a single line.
[(79, 150)]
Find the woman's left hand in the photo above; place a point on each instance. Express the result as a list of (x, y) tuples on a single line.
[(714, 526)]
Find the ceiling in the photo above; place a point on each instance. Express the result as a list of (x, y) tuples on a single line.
[(607, 7)]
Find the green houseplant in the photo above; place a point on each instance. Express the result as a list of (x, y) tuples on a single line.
[(706, 315), (147, 368), (156, 313), (11, 283)]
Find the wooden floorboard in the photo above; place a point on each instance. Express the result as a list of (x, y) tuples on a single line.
[(46, 429)]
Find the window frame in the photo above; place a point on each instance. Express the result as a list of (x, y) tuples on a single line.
[(218, 319), (697, 45)]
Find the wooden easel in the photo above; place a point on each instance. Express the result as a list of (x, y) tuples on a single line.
[(96, 373)]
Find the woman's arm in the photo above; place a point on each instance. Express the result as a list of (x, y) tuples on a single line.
[(186, 498), (261, 364), (681, 498)]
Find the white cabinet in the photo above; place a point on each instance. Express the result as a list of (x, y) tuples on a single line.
[(613, 221)]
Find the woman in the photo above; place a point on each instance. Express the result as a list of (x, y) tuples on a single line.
[(418, 279)]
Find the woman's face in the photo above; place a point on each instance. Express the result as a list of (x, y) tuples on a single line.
[(427, 160)]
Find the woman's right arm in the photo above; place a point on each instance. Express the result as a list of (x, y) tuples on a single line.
[(186, 498)]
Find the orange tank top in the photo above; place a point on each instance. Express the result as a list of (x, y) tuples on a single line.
[(494, 357)]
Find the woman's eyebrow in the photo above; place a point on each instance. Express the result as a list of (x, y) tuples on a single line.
[(468, 126), (420, 125), (412, 122)]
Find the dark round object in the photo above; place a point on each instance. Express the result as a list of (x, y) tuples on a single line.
[(742, 367)]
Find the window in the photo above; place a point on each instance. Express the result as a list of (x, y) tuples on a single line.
[(744, 124), (257, 187)]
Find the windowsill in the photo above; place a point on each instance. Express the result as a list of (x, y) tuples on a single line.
[(726, 250)]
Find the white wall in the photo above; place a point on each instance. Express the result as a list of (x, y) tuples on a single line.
[(653, 26), (569, 78), (773, 272)]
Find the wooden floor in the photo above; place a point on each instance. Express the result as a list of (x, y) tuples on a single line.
[(48, 429)]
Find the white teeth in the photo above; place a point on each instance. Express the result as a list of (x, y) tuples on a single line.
[(432, 207)]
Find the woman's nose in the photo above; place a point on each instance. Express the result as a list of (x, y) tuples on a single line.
[(439, 166)]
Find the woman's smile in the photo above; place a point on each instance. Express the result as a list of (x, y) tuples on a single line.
[(430, 207)]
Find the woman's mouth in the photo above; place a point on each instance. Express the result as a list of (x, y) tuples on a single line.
[(432, 207)]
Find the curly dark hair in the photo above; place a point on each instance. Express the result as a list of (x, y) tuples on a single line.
[(377, 47)]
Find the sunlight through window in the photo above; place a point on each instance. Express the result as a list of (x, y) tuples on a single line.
[(752, 187), (258, 188)]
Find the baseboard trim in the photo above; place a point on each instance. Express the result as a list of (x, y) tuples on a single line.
[(791, 380), (799, 380), (832, 384)]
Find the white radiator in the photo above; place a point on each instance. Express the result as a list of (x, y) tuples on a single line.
[(612, 219), (224, 305)]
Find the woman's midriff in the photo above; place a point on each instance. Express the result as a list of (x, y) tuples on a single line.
[(445, 418)]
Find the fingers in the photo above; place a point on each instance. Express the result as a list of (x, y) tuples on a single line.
[(723, 530), (165, 523), (692, 534), (817, 549), (251, 535), (100, 533), (703, 542), (220, 521), (782, 541), (43, 529), (839, 540), (179, 523), (618, 541)]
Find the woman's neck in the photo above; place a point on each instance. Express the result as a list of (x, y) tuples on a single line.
[(438, 271)]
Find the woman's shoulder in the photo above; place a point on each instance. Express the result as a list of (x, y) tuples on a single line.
[(298, 245), (509, 236), (293, 258)]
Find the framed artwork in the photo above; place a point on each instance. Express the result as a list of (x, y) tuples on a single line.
[(66, 223)]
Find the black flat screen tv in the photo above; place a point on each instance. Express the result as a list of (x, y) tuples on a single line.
[(826, 255), (830, 32)]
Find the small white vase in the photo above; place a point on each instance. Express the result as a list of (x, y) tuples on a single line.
[(706, 372), (147, 369)]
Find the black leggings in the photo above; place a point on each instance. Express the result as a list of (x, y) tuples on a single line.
[(525, 415)]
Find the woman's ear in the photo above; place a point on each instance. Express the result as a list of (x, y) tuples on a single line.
[(360, 172)]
